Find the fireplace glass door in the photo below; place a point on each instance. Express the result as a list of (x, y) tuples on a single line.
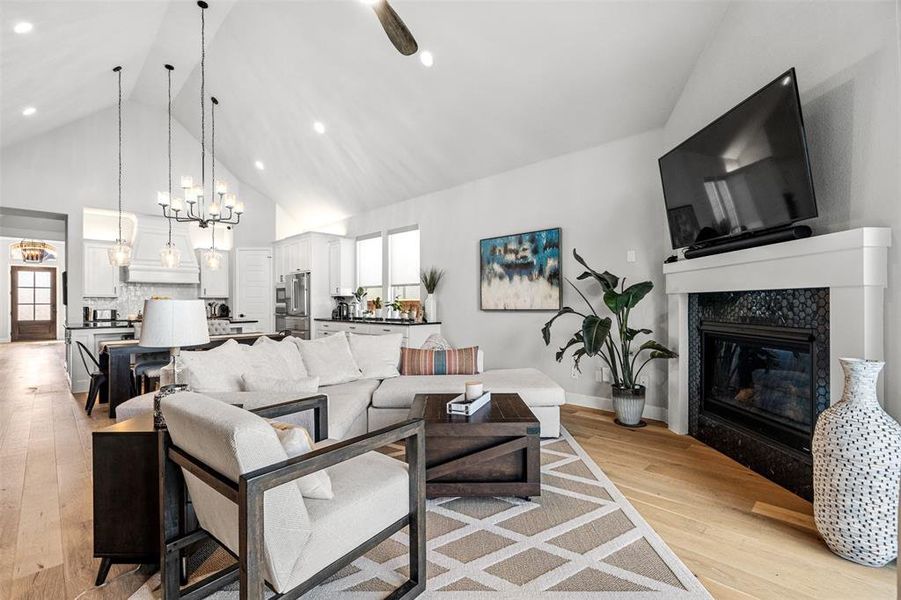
[(761, 378)]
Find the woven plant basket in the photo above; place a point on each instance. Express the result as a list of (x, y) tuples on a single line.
[(856, 471)]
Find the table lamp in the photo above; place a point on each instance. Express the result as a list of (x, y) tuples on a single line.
[(172, 324)]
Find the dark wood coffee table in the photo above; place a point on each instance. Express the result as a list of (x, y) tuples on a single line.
[(493, 453)]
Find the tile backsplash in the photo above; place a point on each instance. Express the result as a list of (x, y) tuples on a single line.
[(132, 296)]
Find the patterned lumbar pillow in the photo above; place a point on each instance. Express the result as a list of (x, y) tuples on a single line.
[(461, 361), (254, 382), (296, 441)]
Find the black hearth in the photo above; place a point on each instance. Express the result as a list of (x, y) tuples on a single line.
[(760, 378), (758, 369)]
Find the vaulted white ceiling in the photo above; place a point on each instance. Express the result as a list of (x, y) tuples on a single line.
[(513, 83)]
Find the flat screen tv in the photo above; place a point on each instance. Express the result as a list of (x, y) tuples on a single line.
[(745, 173)]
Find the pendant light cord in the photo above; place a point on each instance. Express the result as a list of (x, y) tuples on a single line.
[(213, 146), (169, 150), (119, 73), (202, 108)]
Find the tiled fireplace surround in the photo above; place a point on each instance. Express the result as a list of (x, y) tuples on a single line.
[(831, 284)]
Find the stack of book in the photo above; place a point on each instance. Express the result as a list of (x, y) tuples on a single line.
[(461, 406)]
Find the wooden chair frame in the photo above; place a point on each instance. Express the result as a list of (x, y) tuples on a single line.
[(248, 495)]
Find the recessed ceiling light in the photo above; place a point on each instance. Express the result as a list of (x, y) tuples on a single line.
[(23, 27), (426, 58), (29, 110), (259, 165), (319, 127)]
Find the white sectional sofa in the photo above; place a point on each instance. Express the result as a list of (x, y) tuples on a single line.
[(367, 404)]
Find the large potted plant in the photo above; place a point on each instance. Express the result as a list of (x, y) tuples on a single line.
[(612, 339)]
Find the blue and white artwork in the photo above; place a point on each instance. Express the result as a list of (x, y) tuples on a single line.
[(521, 272)]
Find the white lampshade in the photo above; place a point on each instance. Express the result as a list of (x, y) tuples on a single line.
[(174, 324)]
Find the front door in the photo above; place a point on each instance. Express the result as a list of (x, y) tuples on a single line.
[(33, 303)]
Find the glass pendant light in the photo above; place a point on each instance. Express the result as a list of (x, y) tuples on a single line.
[(170, 257), (120, 252), (211, 256)]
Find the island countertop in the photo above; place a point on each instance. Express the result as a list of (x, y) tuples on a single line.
[(378, 322)]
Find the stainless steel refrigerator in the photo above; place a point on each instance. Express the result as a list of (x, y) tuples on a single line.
[(295, 305)]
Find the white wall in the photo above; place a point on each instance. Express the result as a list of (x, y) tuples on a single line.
[(846, 56), (74, 166), (606, 199), (6, 265)]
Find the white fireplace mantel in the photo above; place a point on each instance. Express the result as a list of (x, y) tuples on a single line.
[(852, 264)]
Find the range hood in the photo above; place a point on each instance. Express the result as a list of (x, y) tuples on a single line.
[(145, 267)]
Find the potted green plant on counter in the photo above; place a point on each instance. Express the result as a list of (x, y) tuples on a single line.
[(359, 302), (612, 339), (430, 280)]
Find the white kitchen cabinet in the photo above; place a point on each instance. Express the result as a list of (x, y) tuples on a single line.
[(292, 254), (101, 280), (213, 283), (341, 267)]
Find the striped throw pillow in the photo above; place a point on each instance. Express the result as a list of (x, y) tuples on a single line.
[(460, 361)]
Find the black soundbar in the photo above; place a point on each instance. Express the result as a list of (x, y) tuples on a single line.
[(752, 241)]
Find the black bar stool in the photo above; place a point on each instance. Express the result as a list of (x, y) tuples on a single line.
[(98, 377)]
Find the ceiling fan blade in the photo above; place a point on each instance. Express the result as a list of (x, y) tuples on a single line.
[(397, 32)]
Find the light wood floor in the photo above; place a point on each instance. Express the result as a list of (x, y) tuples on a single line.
[(743, 536)]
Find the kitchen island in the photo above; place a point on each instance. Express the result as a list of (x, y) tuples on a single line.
[(414, 334), (93, 334)]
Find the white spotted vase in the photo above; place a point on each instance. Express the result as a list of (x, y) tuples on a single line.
[(856, 470)]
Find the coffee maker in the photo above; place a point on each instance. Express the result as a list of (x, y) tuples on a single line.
[(344, 311)]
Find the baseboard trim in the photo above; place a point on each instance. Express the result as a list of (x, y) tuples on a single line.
[(658, 413)]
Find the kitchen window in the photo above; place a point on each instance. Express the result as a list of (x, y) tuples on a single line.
[(403, 263), (369, 265), (395, 264)]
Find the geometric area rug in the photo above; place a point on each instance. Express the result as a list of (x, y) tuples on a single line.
[(580, 539)]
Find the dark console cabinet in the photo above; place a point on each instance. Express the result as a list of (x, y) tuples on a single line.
[(126, 494)]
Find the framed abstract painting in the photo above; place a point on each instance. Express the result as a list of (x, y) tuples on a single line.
[(521, 271)]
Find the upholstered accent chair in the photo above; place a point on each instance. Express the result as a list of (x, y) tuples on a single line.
[(244, 491)]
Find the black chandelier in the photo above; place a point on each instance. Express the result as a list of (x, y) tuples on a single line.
[(223, 207)]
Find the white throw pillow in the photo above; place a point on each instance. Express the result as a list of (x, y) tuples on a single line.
[(377, 355), (436, 342), (329, 358), (255, 382), (215, 370), (296, 441), (288, 352)]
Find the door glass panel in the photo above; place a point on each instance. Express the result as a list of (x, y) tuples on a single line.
[(42, 296), (26, 295), (41, 312), (26, 312), (42, 279), (26, 278)]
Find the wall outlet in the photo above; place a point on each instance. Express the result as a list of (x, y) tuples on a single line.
[(630, 256), (574, 372), (606, 375)]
